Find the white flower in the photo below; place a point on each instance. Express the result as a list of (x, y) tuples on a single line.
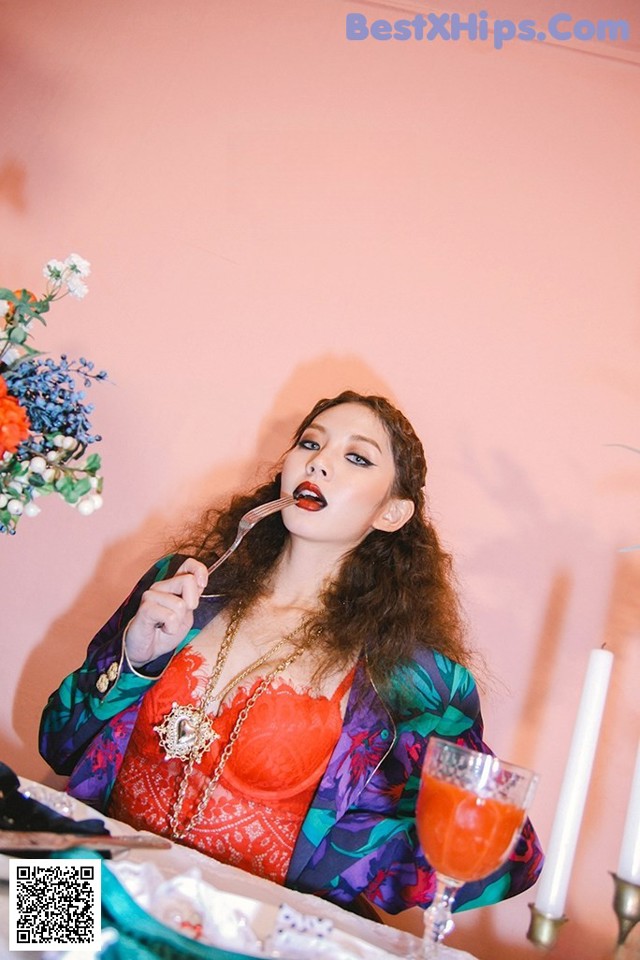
[(78, 265), (85, 506), (69, 443), (54, 270), (77, 288), (71, 271), (38, 465), (49, 474), (3, 500), (15, 508), (96, 500), (31, 509), (52, 456), (4, 306)]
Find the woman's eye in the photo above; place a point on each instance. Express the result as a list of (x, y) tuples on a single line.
[(308, 444), (359, 460)]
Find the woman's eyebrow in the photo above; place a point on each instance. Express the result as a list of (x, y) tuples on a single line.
[(353, 438), (358, 436)]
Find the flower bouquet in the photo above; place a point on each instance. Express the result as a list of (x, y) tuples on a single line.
[(44, 421)]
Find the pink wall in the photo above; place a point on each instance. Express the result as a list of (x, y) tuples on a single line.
[(273, 213)]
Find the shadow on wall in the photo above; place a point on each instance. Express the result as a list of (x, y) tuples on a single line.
[(544, 665), (310, 382)]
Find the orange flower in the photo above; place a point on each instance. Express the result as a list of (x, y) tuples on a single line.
[(14, 423), (11, 307)]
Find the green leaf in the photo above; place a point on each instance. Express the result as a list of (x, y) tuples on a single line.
[(23, 315), (18, 335), (93, 463), (82, 486), (64, 485)]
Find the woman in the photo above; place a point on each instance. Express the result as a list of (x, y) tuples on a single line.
[(277, 716)]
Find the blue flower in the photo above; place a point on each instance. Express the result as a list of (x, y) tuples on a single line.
[(52, 394)]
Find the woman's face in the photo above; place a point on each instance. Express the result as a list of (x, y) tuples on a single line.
[(341, 472)]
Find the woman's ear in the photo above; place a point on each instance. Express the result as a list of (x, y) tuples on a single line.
[(394, 515)]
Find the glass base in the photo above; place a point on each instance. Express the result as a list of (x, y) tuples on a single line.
[(438, 919)]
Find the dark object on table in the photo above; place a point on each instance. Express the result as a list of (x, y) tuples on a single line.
[(18, 812)]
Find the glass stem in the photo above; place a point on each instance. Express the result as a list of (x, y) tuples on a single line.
[(438, 921)]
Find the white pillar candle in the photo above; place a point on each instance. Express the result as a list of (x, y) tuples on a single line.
[(629, 863), (554, 882)]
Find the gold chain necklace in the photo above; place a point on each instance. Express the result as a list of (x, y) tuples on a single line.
[(186, 732), (178, 832)]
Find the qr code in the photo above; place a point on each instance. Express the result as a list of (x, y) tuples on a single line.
[(54, 904)]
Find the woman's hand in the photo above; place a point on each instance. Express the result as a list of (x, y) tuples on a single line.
[(165, 614)]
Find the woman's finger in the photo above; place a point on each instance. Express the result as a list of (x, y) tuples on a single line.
[(166, 610), (155, 605), (186, 585), (198, 569)]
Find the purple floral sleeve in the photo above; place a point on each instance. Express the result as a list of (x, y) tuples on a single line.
[(359, 836)]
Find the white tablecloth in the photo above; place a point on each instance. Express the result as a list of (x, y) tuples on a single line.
[(180, 860)]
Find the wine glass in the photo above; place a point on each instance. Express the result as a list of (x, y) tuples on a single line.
[(471, 807)]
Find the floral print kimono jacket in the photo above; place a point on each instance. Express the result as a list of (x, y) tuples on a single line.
[(359, 835)]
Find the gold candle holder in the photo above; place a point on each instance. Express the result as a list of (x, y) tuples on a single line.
[(543, 928), (626, 903)]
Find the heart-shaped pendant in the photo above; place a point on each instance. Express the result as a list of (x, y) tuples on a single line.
[(186, 733)]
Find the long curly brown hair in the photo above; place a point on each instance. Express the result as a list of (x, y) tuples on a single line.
[(393, 592)]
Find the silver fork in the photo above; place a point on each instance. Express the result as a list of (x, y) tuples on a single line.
[(247, 522)]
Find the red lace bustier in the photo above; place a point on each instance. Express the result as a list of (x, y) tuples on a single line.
[(253, 816)]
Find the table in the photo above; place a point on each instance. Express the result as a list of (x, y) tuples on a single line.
[(179, 860)]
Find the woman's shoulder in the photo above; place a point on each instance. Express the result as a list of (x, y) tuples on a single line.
[(432, 682)]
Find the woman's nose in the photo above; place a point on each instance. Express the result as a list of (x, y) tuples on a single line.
[(319, 465)]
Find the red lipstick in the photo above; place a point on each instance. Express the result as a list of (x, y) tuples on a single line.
[(309, 497)]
